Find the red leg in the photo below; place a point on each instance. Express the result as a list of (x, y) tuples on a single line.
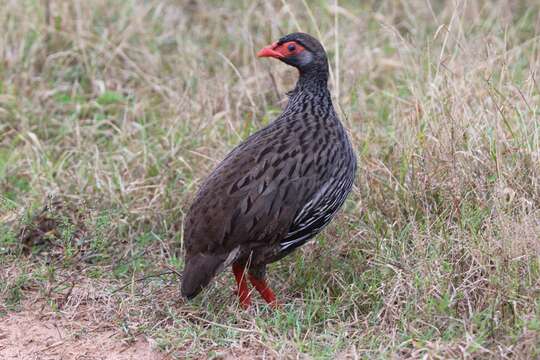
[(243, 290), (264, 290)]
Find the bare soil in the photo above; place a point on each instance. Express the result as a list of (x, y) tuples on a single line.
[(34, 334)]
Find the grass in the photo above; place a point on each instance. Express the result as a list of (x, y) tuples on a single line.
[(112, 112)]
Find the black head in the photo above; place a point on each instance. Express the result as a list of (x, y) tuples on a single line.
[(300, 50)]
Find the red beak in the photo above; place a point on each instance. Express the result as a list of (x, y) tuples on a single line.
[(269, 51)]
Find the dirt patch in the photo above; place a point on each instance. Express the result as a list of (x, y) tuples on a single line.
[(30, 335)]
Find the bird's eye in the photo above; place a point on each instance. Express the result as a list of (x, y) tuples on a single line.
[(291, 47)]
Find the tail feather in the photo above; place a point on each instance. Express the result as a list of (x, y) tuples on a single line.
[(198, 272)]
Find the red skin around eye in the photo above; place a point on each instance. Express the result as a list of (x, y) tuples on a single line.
[(284, 49), (280, 51)]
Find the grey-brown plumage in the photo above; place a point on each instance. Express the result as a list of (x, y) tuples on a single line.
[(278, 188)]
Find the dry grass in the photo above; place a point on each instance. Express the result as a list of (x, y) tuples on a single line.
[(117, 109)]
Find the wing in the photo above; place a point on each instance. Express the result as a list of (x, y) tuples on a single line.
[(317, 212), (275, 188), (252, 196)]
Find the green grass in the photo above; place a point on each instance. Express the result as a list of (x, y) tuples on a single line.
[(117, 110)]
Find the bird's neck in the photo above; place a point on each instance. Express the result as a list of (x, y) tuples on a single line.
[(315, 76), (312, 81)]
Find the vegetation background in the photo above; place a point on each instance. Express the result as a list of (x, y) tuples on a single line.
[(111, 113)]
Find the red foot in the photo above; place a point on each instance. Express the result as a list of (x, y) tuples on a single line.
[(243, 290), (264, 290)]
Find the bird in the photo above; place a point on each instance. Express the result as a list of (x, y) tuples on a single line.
[(277, 189)]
